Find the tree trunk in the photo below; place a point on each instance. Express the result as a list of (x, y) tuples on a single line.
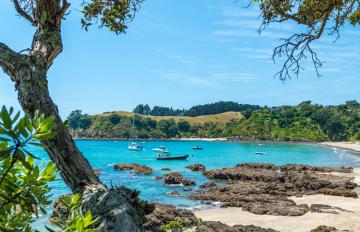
[(32, 87)]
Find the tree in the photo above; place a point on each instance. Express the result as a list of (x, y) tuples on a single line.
[(24, 189), (73, 118), (114, 119), (184, 126), (317, 16), (29, 70)]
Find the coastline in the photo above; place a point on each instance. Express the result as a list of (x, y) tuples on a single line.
[(343, 220), (350, 146)]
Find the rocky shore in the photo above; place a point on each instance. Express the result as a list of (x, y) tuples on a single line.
[(265, 188), (259, 197)]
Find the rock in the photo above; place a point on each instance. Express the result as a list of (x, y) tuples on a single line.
[(138, 168), (173, 193), (265, 188), (118, 209), (59, 213), (208, 185), (210, 226), (159, 177), (320, 208), (196, 167), (327, 229), (166, 169), (308, 168), (165, 213), (175, 178)]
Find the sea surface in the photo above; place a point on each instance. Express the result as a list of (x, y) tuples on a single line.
[(103, 154)]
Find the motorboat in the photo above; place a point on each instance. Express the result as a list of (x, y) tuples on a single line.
[(161, 149), (260, 153), (172, 157), (135, 147), (197, 148)]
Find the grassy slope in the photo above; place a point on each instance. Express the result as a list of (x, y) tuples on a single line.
[(215, 118)]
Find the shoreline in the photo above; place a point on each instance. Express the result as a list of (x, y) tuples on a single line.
[(349, 146), (342, 220)]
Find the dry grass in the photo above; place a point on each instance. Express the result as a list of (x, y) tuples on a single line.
[(216, 118)]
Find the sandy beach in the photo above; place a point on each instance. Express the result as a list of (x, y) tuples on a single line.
[(202, 139), (352, 146), (344, 220)]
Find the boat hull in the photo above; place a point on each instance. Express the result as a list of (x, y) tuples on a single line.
[(178, 157)]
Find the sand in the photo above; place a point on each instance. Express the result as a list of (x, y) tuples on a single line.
[(353, 146), (343, 220), (203, 139)]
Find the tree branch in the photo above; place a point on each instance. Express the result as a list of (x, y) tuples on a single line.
[(8, 59), (23, 14)]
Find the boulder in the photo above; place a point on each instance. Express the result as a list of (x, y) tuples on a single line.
[(137, 168), (196, 167), (118, 209), (164, 213), (208, 185), (173, 193), (324, 228), (175, 178), (211, 226)]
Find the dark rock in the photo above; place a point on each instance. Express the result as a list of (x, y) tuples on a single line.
[(327, 229), (117, 209), (59, 213), (175, 178), (308, 168), (166, 169), (196, 167), (320, 208), (210, 226), (165, 213), (264, 189), (208, 185), (138, 168), (173, 193)]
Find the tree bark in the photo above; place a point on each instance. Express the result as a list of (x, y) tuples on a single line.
[(29, 74)]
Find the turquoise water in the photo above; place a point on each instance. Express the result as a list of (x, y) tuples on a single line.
[(102, 154)]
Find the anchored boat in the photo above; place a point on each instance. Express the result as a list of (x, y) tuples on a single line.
[(172, 157)]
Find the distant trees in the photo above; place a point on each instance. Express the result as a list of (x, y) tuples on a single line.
[(77, 120), (219, 107), (305, 121), (213, 108)]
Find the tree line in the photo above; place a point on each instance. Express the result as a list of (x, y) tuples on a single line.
[(305, 121), (206, 109)]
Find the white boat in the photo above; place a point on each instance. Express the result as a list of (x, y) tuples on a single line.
[(260, 153), (133, 146), (161, 149)]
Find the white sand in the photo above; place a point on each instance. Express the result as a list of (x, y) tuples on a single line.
[(353, 146), (343, 220), (203, 139)]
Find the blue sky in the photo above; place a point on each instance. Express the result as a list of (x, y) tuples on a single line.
[(182, 53)]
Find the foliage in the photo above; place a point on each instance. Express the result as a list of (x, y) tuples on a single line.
[(177, 225), (318, 17), (305, 121), (23, 186), (207, 109), (77, 221), (302, 122)]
